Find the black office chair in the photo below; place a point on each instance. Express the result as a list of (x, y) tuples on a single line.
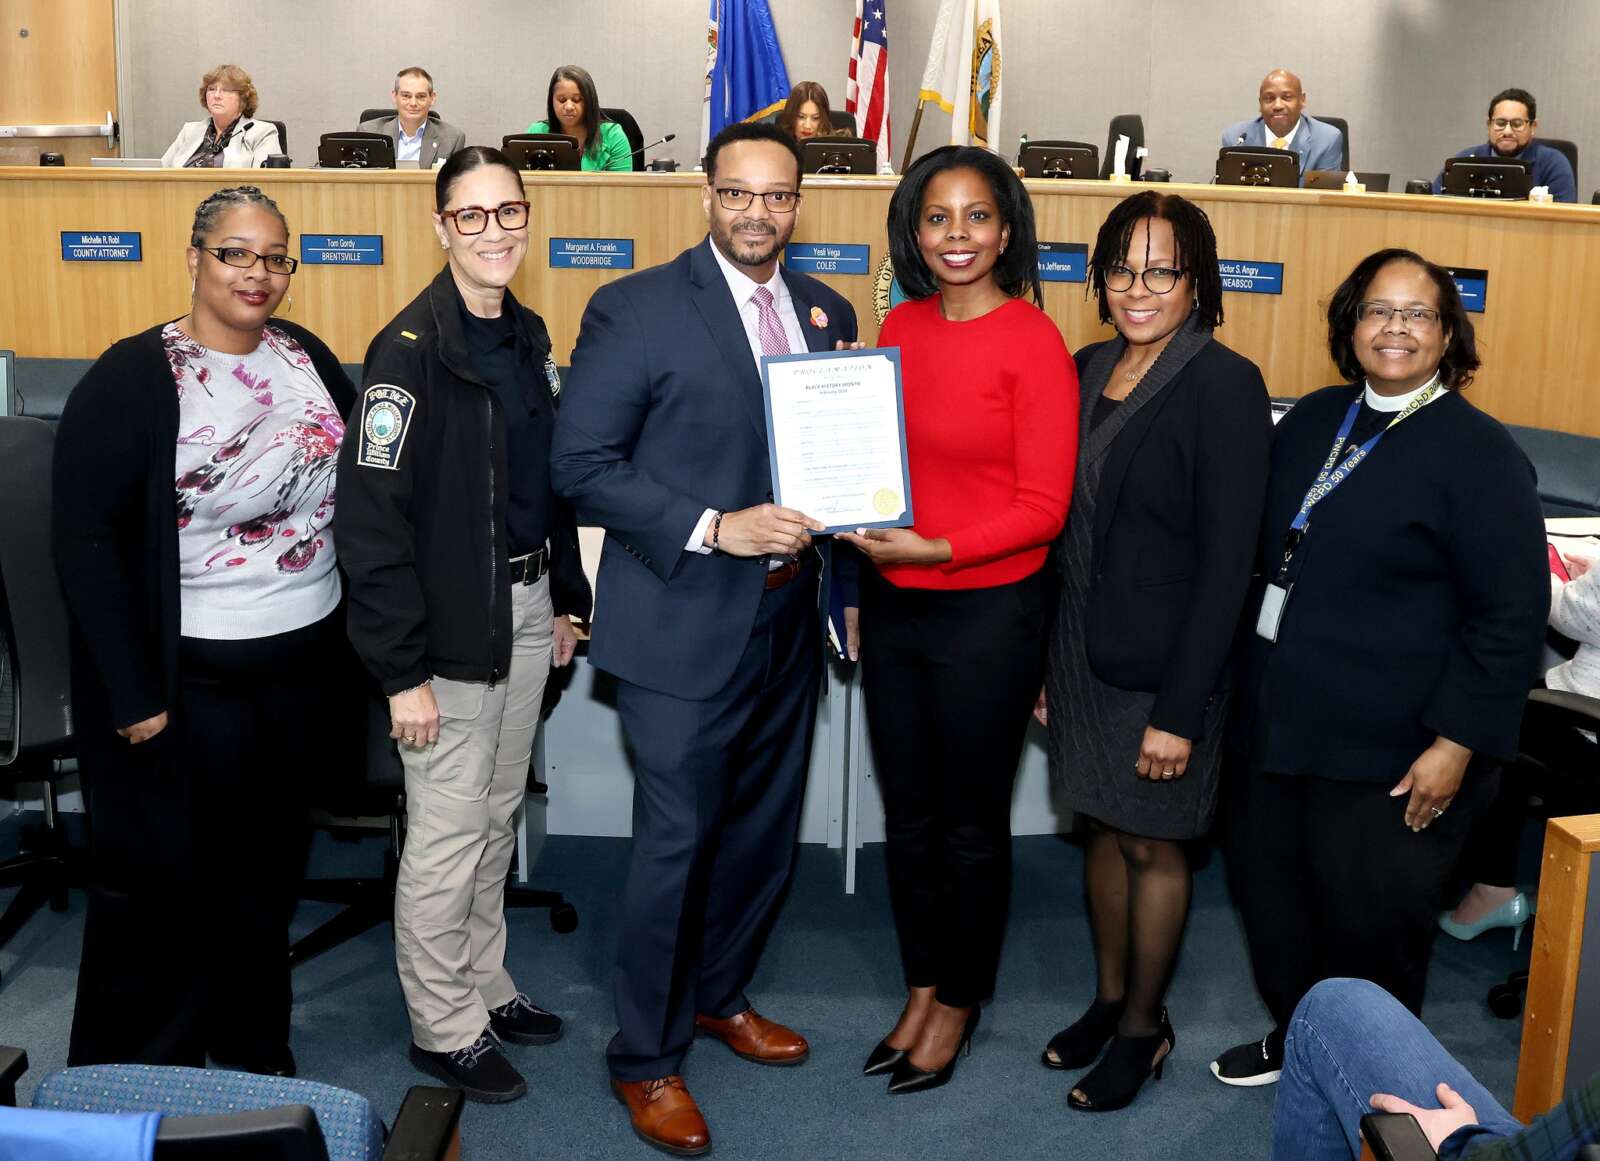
[(283, 136), (37, 742), (1568, 149), (843, 120), (1562, 789), (1131, 126), (367, 902), (630, 127), (1343, 127), (213, 1114), (374, 114)]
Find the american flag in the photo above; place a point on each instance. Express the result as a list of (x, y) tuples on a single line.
[(867, 93)]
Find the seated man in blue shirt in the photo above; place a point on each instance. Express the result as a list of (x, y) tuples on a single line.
[(419, 139), (1513, 117), (1284, 125)]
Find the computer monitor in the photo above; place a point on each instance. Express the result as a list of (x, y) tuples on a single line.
[(1253, 165), (1075, 159), (829, 155), (1487, 177), (8, 384), (355, 150), (542, 151)]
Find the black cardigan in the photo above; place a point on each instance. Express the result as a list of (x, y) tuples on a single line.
[(1175, 525), (1419, 600), (115, 528)]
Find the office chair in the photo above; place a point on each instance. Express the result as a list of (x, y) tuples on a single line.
[(367, 902), (1568, 149), (211, 1114), (843, 120), (37, 743), (1131, 126), (1563, 789), (374, 114), (1343, 127), (283, 135), (630, 129)]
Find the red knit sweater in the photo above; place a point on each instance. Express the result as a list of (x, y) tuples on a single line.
[(992, 436)]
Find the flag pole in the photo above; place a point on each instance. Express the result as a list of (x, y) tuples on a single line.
[(911, 141)]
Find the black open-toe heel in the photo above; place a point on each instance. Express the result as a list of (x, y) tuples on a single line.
[(1115, 1081), (909, 1078), (1076, 1046)]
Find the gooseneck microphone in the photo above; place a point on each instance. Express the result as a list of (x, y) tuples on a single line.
[(653, 144)]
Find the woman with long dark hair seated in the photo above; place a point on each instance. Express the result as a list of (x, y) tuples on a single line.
[(572, 107)]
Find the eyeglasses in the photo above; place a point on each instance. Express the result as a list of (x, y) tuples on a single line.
[(1157, 279), (779, 201), (473, 220), (1515, 124), (1419, 316), (245, 259)]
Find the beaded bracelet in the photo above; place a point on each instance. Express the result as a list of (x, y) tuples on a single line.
[(716, 532)]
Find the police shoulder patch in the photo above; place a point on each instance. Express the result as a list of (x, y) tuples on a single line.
[(552, 376), (386, 412)]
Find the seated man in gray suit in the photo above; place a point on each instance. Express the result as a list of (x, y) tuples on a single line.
[(1283, 125), (419, 138)]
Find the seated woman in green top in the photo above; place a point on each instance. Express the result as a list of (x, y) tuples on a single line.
[(571, 107)]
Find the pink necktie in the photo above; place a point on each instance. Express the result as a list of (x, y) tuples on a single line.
[(774, 340)]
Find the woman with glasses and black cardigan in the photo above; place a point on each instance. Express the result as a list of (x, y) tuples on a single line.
[(463, 571), (953, 611), (193, 525), (1388, 647), (1154, 563)]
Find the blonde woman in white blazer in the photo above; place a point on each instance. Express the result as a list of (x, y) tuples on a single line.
[(230, 137)]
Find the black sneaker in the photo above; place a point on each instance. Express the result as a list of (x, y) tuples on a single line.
[(480, 1070), (523, 1022), (1251, 1065)]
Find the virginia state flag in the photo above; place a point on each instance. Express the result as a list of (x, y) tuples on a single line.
[(963, 70), (745, 77)]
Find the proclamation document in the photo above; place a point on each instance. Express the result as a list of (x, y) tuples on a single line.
[(836, 436)]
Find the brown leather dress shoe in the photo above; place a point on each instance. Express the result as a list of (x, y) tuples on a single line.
[(756, 1038), (665, 1115)]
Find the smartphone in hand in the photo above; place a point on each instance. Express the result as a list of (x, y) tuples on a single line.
[(1557, 565)]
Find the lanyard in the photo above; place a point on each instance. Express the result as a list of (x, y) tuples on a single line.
[(1334, 473)]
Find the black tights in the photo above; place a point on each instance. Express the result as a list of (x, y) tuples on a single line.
[(1138, 890)]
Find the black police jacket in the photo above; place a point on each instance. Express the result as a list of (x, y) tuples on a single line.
[(423, 488)]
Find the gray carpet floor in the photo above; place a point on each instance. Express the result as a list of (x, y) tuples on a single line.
[(831, 970)]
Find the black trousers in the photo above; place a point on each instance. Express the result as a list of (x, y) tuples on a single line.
[(1331, 882), (718, 785), (949, 678), (198, 845)]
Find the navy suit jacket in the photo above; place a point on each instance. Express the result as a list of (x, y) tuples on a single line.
[(661, 418), (1318, 144)]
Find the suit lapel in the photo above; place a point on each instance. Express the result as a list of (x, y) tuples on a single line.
[(819, 337), (715, 303)]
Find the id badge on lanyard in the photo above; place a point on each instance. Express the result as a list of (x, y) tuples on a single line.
[(1276, 596)]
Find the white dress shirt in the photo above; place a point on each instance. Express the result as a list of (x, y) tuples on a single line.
[(1288, 138), (743, 289)]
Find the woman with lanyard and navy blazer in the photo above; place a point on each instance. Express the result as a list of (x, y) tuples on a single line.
[(1387, 650)]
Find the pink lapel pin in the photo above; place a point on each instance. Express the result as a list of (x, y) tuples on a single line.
[(818, 318)]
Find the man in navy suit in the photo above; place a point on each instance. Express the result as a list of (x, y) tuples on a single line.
[(707, 615), (1284, 125)]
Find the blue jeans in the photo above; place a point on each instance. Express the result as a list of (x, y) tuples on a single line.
[(1347, 1040)]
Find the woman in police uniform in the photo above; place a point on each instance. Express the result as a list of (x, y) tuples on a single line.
[(464, 570)]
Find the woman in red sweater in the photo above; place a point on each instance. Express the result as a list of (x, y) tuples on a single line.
[(953, 614)]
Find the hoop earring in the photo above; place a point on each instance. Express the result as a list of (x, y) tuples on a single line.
[(191, 287)]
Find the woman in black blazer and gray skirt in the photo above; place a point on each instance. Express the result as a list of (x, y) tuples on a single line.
[(1387, 650), (1154, 562)]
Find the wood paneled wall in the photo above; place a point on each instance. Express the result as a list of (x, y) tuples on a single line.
[(1538, 337)]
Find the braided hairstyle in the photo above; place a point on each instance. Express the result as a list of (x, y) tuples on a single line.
[(210, 211)]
